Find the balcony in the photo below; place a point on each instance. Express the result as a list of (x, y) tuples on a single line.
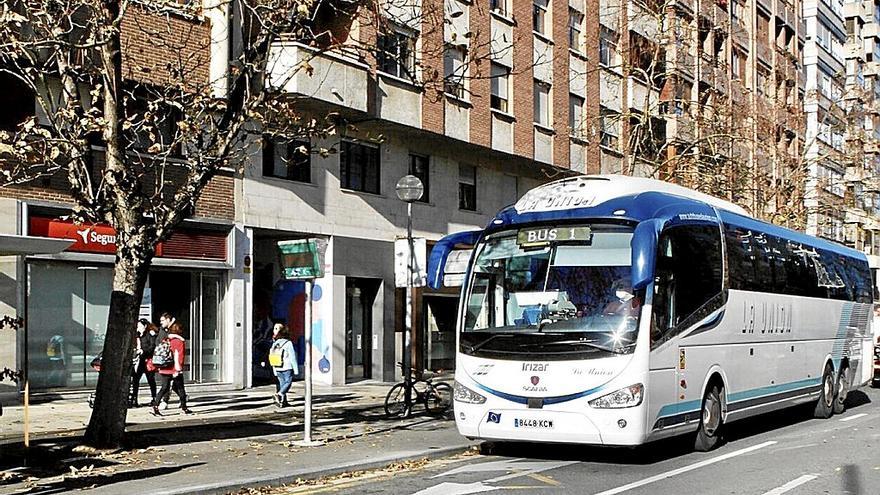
[(680, 128), (764, 53), (785, 12), (707, 8), (330, 76), (739, 95), (722, 18), (722, 81), (739, 34), (684, 61), (642, 98), (707, 70), (685, 5)]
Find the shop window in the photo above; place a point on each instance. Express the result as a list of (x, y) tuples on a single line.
[(467, 187), (289, 160), (359, 167), (418, 166)]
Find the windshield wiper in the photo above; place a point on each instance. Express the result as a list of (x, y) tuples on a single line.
[(578, 343), (488, 339)]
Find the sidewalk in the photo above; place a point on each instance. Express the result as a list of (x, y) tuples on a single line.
[(236, 439)]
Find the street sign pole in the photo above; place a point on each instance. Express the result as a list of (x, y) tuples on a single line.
[(307, 374), (304, 260)]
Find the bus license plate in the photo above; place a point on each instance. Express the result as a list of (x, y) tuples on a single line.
[(540, 424)]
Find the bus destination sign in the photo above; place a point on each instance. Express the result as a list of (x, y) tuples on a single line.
[(546, 235)]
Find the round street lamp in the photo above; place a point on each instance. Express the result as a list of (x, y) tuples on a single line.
[(409, 189)]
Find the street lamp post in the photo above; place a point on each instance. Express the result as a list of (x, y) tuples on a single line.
[(409, 189)]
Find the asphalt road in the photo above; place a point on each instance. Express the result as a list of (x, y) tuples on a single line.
[(784, 452)]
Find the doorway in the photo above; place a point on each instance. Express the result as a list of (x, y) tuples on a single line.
[(439, 314), (360, 296), (195, 299)]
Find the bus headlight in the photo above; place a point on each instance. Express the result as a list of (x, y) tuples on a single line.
[(626, 397), (463, 394)]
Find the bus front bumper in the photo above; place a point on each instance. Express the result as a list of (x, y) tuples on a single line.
[(623, 427)]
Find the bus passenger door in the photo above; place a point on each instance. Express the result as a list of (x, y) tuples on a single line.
[(663, 364)]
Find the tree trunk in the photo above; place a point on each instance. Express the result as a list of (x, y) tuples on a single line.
[(107, 424)]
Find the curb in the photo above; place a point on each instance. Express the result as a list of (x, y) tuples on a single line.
[(224, 487)]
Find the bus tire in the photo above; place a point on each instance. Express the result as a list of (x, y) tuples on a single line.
[(825, 402), (842, 390), (709, 432)]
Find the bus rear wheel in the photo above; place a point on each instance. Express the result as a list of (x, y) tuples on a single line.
[(842, 390), (825, 402), (709, 434)]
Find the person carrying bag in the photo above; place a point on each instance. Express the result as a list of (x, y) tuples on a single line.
[(282, 358)]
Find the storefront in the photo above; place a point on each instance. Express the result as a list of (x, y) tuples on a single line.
[(68, 299)]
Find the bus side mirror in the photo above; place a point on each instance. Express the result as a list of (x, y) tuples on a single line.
[(440, 254), (644, 252)]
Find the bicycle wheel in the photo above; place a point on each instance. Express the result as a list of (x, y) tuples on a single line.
[(395, 401), (438, 398)]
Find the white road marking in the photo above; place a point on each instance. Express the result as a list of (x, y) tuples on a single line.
[(676, 472), (850, 418), (520, 467), (792, 484)]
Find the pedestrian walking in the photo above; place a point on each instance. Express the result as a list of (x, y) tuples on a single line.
[(170, 373), (145, 343), (282, 358)]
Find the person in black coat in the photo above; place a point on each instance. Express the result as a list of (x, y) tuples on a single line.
[(145, 343)]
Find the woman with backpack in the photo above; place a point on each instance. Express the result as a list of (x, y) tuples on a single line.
[(282, 358), (145, 342), (170, 373)]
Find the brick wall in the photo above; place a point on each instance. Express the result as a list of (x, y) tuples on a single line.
[(157, 45), (433, 106), (523, 80), (591, 105), (561, 147), (480, 84)]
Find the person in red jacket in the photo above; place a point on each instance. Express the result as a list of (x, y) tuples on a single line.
[(172, 376)]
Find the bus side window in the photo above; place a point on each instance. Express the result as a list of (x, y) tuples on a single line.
[(664, 291)]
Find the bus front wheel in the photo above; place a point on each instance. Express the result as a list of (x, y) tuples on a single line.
[(825, 402), (709, 434)]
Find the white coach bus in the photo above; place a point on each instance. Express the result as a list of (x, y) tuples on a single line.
[(616, 311)]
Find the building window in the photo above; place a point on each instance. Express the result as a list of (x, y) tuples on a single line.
[(418, 166), (396, 54), (467, 187), (575, 29), (737, 13), (576, 116), (498, 6), (153, 130), (359, 168), (17, 102), (542, 103), (539, 16), (609, 125), (608, 54), (737, 65), (454, 70), (500, 87), (762, 81), (289, 160)]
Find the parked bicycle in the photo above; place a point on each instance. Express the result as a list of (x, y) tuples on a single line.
[(437, 397)]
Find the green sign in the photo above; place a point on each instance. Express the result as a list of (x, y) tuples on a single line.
[(546, 235), (302, 259)]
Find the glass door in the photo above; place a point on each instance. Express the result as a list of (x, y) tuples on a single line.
[(206, 344)]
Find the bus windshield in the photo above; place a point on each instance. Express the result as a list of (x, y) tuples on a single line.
[(553, 291)]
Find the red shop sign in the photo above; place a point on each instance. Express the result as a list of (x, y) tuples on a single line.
[(98, 238)]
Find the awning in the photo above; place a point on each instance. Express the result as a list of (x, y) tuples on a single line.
[(21, 244)]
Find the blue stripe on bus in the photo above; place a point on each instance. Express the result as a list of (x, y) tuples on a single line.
[(694, 405), (520, 399)]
